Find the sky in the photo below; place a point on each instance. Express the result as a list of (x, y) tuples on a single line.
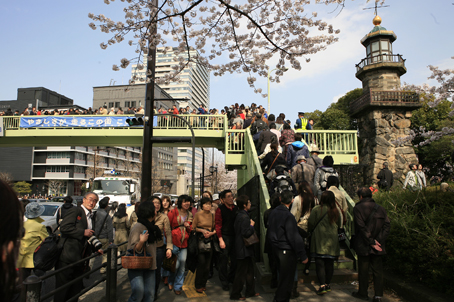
[(48, 43)]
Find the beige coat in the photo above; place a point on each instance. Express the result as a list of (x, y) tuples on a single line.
[(122, 227), (162, 221), (35, 233), (341, 201), (134, 238)]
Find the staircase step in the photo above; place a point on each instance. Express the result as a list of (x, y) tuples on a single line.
[(339, 276)]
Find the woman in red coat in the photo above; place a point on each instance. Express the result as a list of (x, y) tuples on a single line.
[(181, 225)]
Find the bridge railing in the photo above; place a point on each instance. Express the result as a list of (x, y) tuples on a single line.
[(197, 121), (161, 121), (342, 144)]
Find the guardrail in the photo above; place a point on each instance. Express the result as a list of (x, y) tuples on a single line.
[(33, 283), (333, 142), (161, 121), (381, 58)]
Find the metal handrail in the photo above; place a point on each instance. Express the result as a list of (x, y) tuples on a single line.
[(33, 283), (381, 58)]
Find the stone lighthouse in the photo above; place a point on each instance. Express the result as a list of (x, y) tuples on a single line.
[(383, 111)]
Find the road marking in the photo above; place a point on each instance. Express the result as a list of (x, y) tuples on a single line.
[(189, 286)]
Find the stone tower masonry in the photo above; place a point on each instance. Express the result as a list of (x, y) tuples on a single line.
[(383, 112)]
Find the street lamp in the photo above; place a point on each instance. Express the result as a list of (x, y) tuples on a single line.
[(269, 73)]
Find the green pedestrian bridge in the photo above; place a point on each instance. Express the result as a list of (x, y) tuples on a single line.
[(210, 131)]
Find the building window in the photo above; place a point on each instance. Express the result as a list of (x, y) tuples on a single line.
[(127, 104), (57, 169), (58, 155), (133, 104), (111, 104), (117, 104)]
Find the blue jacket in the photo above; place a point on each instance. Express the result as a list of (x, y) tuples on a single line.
[(294, 150), (283, 232)]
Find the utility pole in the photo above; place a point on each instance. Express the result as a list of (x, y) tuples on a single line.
[(147, 149)]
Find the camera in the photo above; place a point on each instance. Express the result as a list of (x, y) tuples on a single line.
[(95, 243)]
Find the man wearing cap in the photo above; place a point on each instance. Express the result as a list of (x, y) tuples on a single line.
[(301, 122), (76, 228), (302, 171), (35, 233), (314, 160)]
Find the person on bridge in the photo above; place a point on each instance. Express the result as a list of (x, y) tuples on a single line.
[(287, 137), (294, 149), (301, 122), (76, 228), (372, 227), (288, 246), (302, 171), (322, 174), (314, 160), (225, 218), (143, 239), (266, 137)]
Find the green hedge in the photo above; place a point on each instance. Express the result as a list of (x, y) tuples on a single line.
[(421, 241)]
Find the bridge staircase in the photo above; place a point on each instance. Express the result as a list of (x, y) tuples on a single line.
[(210, 131), (241, 155)]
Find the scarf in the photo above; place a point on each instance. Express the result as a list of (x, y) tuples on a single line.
[(154, 233)]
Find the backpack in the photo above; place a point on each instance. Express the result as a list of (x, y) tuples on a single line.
[(47, 254), (257, 126), (282, 183), (325, 179)]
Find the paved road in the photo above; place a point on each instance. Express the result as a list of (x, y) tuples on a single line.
[(214, 292)]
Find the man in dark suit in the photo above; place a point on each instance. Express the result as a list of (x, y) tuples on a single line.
[(288, 246), (76, 228), (371, 230)]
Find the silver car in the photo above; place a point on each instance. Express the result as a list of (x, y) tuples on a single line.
[(50, 215)]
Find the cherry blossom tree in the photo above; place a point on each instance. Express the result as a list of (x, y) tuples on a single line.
[(229, 36), (443, 91)]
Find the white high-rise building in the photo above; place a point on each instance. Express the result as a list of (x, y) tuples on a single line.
[(195, 79), (195, 86)]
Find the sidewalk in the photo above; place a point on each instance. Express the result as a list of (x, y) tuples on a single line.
[(214, 292)]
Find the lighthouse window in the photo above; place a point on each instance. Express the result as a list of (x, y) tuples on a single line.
[(384, 45), (375, 46)]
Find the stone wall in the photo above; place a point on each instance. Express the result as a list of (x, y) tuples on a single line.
[(377, 130), (381, 79)]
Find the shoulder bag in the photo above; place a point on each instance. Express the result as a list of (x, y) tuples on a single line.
[(137, 261)]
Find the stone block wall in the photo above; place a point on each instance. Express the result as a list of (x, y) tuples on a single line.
[(378, 129), (381, 79)]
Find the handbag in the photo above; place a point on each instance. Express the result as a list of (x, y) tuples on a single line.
[(137, 261), (341, 234), (170, 264), (253, 239), (204, 245)]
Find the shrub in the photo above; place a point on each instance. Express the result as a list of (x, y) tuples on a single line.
[(420, 245)]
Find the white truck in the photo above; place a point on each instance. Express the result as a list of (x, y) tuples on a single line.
[(119, 189)]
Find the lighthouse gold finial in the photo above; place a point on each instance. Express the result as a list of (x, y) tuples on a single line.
[(377, 20)]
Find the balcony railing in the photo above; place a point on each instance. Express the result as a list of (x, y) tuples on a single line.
[(381, 58), (385, 98)]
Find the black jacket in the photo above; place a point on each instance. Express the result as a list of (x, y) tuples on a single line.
[(72, 229), (378, 229), (243, 229), (387, 175), (266, 137), (283, 232), (267, 163)]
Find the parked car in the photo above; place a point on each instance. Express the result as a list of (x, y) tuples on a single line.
[(76, 199), (37, 200), (50, 215)]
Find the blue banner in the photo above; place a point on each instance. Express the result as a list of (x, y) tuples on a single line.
[(72, 121)]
